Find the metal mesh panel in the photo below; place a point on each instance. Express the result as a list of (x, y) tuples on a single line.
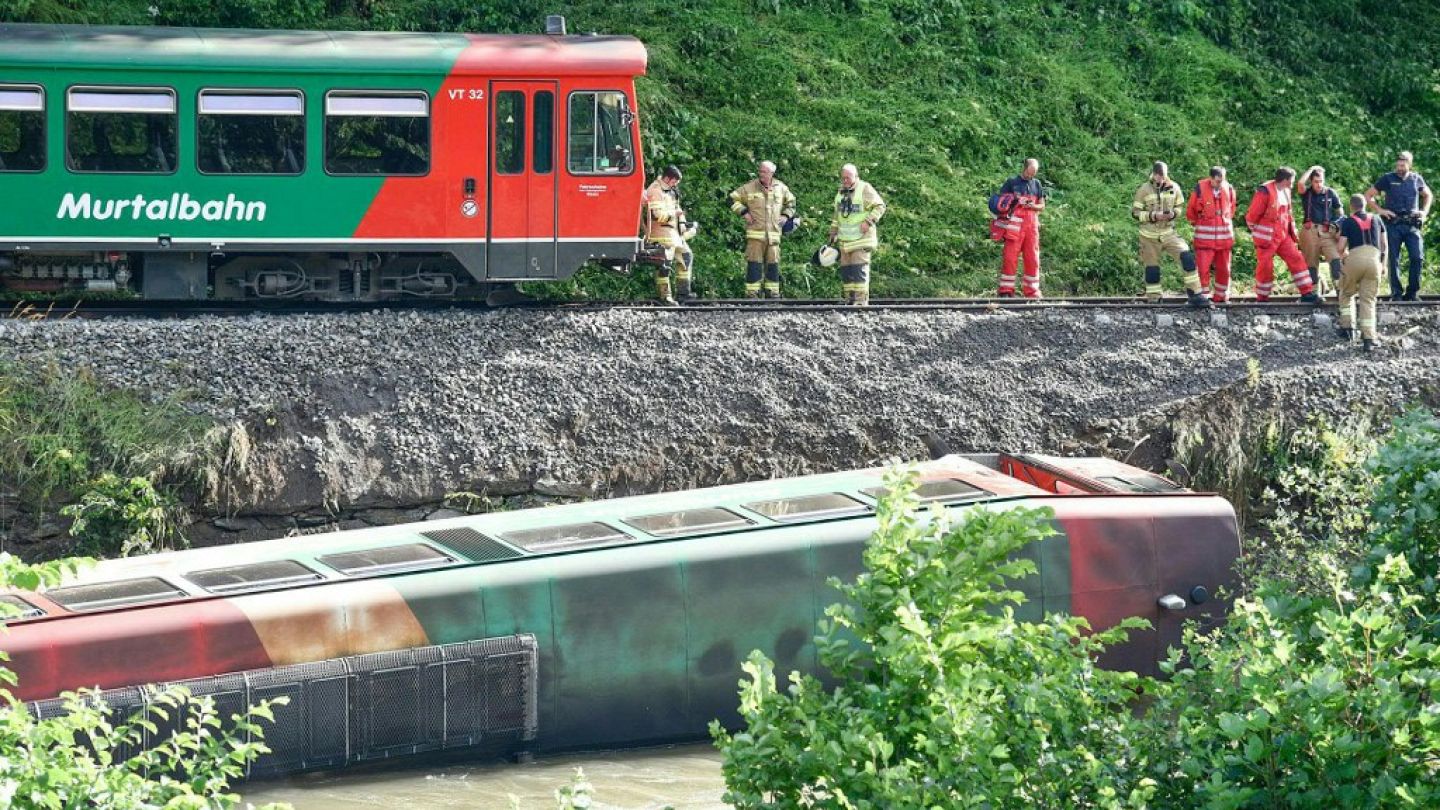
[(367, 707), (472, 544)]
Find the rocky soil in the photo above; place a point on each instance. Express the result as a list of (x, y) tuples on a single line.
[(378, 416)]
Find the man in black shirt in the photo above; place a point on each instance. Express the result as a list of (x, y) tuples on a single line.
[(1363, 239), (1322, 212)]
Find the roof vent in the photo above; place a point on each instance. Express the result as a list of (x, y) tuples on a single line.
[(555, 25)]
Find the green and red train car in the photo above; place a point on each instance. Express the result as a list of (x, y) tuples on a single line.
[(193, 163), (593, 625)]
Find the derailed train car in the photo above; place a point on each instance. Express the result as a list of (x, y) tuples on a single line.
[(191, 163), (594, 625)]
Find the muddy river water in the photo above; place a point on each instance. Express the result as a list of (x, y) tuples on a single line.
[(682, 777)]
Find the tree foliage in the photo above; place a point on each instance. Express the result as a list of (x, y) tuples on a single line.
[(1304, 696)]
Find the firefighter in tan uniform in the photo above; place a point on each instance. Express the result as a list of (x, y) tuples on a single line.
[(858, 209), (768, 208), (665, 226), (1157, 203)]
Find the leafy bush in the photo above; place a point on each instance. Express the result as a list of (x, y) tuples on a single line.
[(121, 517), (1406, 513), (947, 700)]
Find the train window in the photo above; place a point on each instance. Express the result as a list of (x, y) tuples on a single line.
[(251, 132), (510, 132), (599, 135), (253, 577), (22, 129), (566, 538), (103, 595), (13, 607), (544, 132), (688, 521), (809, 507), (1139, 482), (377, 133), (121, 130), (948, 489), (387, 559)]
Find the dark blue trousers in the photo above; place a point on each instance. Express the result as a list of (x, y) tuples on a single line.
[(1407, 236)]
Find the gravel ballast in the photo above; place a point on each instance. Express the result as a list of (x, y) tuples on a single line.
[(393, 409)]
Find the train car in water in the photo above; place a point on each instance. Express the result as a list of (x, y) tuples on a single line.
[(592, 625), (194, 163)]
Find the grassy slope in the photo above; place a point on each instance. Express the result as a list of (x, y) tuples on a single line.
[(938, 102)]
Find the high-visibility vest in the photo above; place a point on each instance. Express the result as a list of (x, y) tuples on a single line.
[(851, 210), (1213, 215), (1274, 221), (769, 207)]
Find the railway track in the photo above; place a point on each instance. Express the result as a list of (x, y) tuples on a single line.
[(44, 309)]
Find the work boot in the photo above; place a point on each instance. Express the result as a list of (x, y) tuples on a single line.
[(662, 292), (752, 294), (1367, 345), (862, 298), (1005, 294), (1310, 298), (1345, 333), (683, 290), (1199, 300), (1153, 297)]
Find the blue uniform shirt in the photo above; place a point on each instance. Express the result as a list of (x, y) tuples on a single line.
[(1401, 196), (1019, 186), (1355, 236), (1321, 207)]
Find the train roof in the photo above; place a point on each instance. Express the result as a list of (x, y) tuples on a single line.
[(236, 49)]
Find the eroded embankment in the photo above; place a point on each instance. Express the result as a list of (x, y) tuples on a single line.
[(377, 417)]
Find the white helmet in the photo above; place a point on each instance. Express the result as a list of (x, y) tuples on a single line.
[(826, 256)]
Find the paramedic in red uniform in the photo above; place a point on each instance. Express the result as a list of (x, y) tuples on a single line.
[(1273, 230), (1212, 212), (1022, 230)]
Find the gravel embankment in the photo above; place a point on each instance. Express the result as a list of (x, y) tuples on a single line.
[(396, 409)]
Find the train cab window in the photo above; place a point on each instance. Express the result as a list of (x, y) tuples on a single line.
[(688, 521), (123, 592), (121, 130), (809, 507), (22, 129), (251, 132), (944, 490), (510, 132), (254, 577), (599, 140), (566, 538), (377, 133), (387, 560), (13, 607), (543, 138)]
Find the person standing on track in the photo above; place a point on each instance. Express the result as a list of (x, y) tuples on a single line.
[(1157, 203), (1020, 228), (768, 208), (858, 209), (1212, 213), (1273, 228), (1407, 204), (1319, 236), (663, 224), (1363, 241)]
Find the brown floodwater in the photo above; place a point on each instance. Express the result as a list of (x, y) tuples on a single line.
[(684, 777)]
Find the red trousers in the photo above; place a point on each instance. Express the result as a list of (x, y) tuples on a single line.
[(1220, 258), (1284, 247), (1026, 240)]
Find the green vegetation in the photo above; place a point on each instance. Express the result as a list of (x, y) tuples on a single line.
[(81, 759), (117, 460), (1305, 695), (938, 101)]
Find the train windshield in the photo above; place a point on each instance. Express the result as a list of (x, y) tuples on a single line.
[(599, 133)]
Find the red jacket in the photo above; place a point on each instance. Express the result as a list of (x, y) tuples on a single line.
[(1269, 215), (1212, 215)]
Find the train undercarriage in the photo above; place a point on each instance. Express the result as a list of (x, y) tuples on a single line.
[(195, 275)]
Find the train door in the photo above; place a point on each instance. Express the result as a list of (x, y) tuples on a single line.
[(522, 180)]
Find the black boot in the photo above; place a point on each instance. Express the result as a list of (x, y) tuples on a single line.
[(1367, 345), (1310, 298), (1345, 333), (1199, 300)]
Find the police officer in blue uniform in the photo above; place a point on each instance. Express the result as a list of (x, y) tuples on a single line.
[(1407, 204)]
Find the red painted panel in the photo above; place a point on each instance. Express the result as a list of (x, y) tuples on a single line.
[(141, 645)]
